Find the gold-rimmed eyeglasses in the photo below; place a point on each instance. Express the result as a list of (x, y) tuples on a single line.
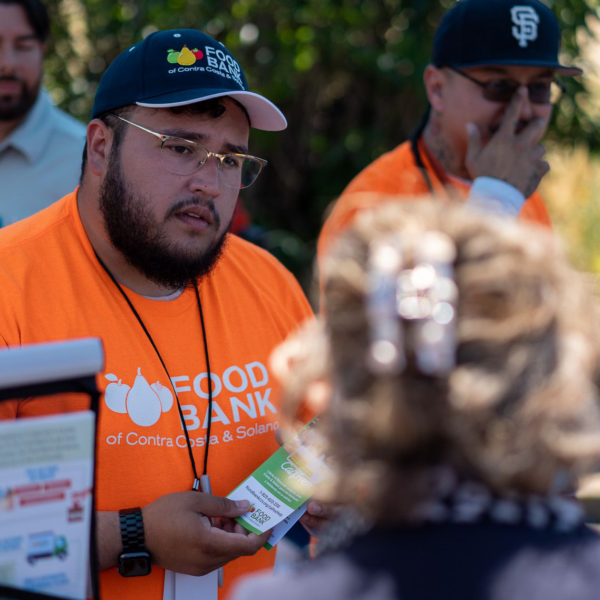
[(183, 157)]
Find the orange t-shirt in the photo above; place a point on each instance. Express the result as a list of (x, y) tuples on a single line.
[(53, 288), (396, 173)]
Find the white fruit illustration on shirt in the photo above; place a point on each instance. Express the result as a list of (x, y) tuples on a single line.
[(115, 394), (143, 402), (165, 395)]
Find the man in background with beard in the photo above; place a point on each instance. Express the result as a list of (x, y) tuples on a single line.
[(140, 257), (40, 145)]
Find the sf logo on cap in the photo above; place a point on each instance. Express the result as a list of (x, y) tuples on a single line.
[(525, 21)]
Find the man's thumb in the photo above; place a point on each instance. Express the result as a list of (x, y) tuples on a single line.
[(216, 506), (473, 141)]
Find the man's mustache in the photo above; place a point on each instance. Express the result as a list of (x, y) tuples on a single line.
[(208, 204), (11, 79)]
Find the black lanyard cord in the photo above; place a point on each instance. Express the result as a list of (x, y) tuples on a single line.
[(415, 137), (210, 390), (210, 393), (414, 146)]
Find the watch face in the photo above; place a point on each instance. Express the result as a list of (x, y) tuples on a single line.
[(135, 564)]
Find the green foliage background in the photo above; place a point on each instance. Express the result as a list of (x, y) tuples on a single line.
[(346, 73)]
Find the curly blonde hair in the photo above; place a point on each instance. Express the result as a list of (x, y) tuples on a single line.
[(520, 407)]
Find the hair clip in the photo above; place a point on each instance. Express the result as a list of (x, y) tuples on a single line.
[(425, 294), (386, 344), (428, 294)]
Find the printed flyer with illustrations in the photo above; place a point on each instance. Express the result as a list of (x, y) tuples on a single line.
[(46, 485), (281, 487)]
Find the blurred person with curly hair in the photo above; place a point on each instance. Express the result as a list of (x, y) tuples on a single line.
[(455, 374)]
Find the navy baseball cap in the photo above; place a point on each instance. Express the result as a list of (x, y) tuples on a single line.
[(178, 67), (477, 33)]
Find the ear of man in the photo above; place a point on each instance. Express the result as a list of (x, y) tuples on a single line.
[(434, 80), (99, 143)]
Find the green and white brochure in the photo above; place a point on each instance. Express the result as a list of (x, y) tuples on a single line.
[(281, 487)]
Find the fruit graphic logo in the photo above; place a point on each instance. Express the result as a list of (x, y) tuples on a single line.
[(185, 57), (144, 403)]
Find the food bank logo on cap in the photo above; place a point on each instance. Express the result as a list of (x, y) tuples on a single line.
[(143, 402), (222, 63), (185, 56), (525, 28), (179, 67), (218, 62)]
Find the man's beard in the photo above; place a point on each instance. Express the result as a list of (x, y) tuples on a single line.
[(16, 107), (135, 234)]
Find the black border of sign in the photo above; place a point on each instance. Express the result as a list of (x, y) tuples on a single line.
[(86, 385)]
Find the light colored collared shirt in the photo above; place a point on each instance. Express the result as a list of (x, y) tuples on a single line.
[(40, 161)]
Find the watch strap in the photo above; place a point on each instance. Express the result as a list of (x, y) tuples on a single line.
[(132, 529)]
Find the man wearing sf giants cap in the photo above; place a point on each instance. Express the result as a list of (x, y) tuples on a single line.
[(490, 87), (139, 255)]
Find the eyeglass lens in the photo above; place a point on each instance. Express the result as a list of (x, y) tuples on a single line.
[(502, 90), (183, 158)]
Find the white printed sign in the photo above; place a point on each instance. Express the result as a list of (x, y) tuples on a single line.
[(46, 478)]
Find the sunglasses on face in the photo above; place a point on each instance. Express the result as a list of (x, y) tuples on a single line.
[(502, 90)]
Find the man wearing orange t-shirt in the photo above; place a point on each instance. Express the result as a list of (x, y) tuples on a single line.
[(490, 89), (139, 256)]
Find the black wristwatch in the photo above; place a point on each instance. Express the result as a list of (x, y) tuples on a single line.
[(135, 559)]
